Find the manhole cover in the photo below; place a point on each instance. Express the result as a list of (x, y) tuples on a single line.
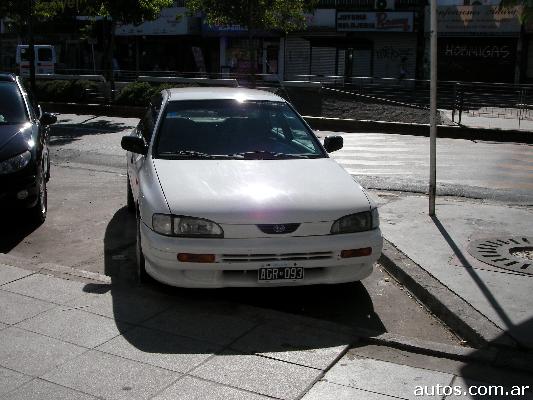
[(511, 253)]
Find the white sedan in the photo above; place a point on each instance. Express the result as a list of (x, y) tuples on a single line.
[(232, 188)]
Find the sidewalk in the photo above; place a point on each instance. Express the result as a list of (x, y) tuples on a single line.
[(89, 338), (494, 121), (441, 247)]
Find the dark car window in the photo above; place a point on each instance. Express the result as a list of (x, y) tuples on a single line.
[(228, 127), (12, 109)]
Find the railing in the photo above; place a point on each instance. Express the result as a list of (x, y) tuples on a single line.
[(494, 100)]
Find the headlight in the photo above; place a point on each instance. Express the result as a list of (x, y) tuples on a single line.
[(360, 222), (15, 164), (186, 226)]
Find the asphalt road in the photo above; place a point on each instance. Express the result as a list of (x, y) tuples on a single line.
[(89, 228), (486, 170)]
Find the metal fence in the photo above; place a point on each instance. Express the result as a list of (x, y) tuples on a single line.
[(475, 99)]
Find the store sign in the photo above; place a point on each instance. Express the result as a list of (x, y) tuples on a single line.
[(321, 18), (375, 21), (223, 28), (171, 21), (477, 19)]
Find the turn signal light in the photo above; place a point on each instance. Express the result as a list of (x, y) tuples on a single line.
[(197, 258), (366, 251)]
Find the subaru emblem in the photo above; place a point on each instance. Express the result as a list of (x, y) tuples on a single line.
[(279, 228)]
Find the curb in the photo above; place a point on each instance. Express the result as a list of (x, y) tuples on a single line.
[(443, 131), (453, 310)]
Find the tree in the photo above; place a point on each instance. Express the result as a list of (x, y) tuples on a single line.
[(255, 15), (124, 11), (112, 11)]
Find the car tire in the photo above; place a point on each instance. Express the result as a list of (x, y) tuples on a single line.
[(131, 200), (39, 211), (142, 275)]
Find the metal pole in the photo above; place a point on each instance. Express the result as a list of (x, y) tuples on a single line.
[(31, 47), (433, 110)]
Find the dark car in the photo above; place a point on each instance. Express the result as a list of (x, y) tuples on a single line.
[(24, 161)]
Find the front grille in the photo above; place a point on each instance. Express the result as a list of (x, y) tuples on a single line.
[(317, 255), (278, 229)]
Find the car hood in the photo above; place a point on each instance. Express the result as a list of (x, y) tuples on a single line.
[(14, 139), (260, 191)]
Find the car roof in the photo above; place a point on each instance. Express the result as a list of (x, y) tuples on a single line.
[(7, 77), (220, 93)]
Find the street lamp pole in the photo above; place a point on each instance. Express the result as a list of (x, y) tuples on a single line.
[(433, 109)]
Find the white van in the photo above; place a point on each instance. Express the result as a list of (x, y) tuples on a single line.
[(45, 59)]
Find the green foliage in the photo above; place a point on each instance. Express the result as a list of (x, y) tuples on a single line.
[(526, 8), (140, 93), (284, 15), (79, 91)]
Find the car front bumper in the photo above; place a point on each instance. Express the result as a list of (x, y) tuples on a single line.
[(237, 261)]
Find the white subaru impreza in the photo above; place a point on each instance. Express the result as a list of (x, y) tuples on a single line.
[(232, 188)]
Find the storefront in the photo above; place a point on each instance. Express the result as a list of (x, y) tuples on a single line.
[(239, 54), (171, 42), (477, 43), (346, 43)]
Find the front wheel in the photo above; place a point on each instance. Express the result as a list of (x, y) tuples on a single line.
[(39, 211), (142, 275)]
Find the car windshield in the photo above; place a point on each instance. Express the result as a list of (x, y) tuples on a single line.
[(234, 129), (12, 109)]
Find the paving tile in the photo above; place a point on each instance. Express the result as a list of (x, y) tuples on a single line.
[(15, 307), (111, 377), (464, 384), (331, 391), (297, 343), (384, 377), (161, 349), (189, 388), (202, 324), (128, 306), (33, 354), (75, 326), (258, 374), (9, 273), (10, 380), (46, 288), (42, 390)]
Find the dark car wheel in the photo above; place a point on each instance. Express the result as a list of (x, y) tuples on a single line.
[(131, 200), (142, 275), (39, 211)]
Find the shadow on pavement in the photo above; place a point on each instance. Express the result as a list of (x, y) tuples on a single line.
[(65, 133), (237, 320), (14, 228)]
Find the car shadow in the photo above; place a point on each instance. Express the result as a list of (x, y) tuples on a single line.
[(14, 229), (232, 320), (64, 133)]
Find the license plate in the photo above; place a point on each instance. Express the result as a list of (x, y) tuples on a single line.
[(277, 273)]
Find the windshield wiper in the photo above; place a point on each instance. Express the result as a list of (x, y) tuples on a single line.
[(191, 154), (263, 154)]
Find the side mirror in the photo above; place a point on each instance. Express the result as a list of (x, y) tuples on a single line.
[(333, 143), (48, 119), (134, 144)]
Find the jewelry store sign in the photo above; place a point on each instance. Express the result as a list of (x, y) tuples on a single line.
[(375, 21), (477, 19)]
